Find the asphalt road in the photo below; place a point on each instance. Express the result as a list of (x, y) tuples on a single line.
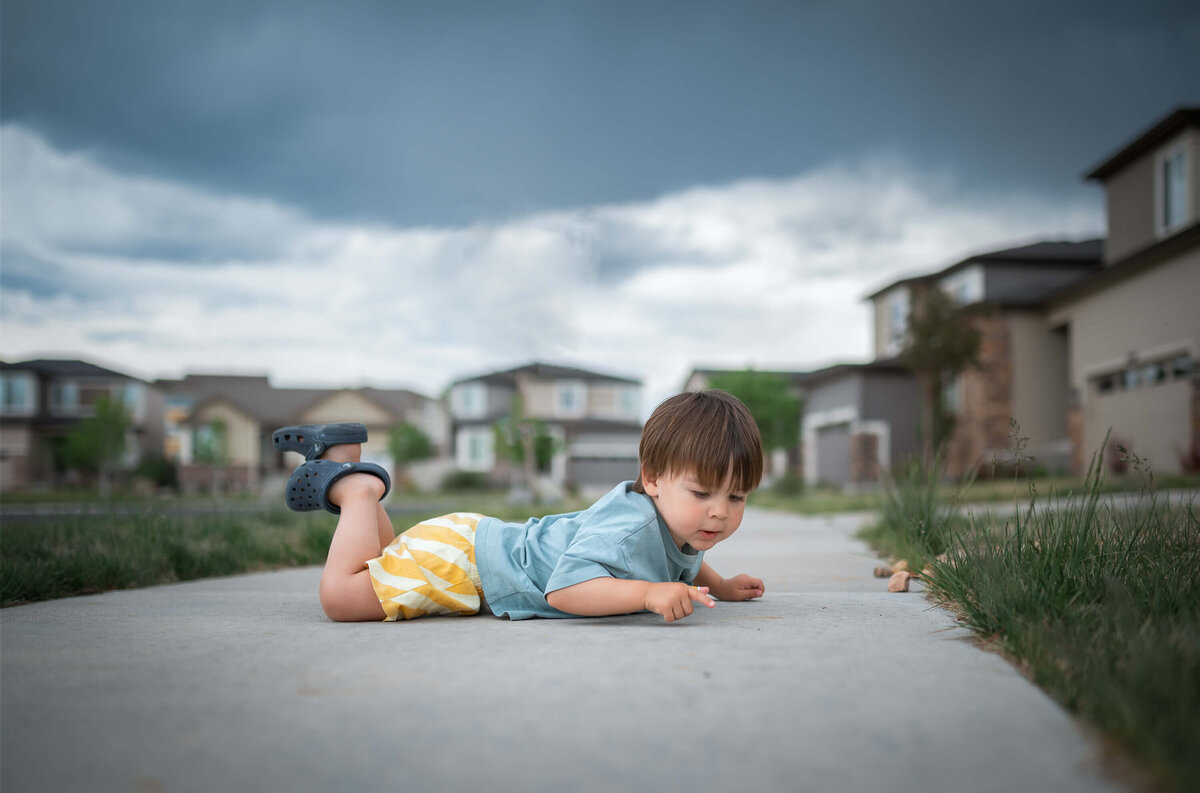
[(829, 683)]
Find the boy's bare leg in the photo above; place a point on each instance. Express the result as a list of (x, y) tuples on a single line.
[(352, 453), (346, 592), (387, 532)]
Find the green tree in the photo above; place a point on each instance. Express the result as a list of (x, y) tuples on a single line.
[(527, 442), (408, 444), (770, 398), (942, 344), (97, 443), (210, 443)]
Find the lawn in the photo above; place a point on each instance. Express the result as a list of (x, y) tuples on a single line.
[(133, 544)]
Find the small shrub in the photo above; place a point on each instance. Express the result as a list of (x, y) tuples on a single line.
[(468, 481)]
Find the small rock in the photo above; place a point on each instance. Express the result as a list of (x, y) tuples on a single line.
[(900, 566), (899, 581), (883, 572)]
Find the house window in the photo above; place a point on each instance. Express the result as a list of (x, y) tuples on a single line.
[(897, 321), (1181, 367), (1171, 177), (475, 450), (469, 400), (630, 403), (17, 395), (64, 397), (950, 396), (570, 398), (1144, 375), (965, 286)]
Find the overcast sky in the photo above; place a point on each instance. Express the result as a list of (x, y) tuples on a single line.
[(401, 194)]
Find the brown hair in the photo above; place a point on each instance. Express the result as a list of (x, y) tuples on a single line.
[(702, 432)]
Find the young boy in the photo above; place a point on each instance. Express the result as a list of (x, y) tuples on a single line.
[(639, 548)]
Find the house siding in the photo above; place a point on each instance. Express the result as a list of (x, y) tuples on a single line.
[(896, 400), (1132, 201), (1144, 317), (1040, 389)]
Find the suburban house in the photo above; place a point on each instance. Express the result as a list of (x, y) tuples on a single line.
[(42, 400), (1023, 360), (593, 418), (859, 421), (218, 427), (1133, 330)]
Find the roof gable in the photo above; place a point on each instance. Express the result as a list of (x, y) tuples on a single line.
[(1168, 127), (544, 371)]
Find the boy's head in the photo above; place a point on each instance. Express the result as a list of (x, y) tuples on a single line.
[(710, 434)]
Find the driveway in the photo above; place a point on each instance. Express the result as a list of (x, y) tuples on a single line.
[(829, 683)]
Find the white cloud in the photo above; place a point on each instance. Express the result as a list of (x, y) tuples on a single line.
[(159, 278)]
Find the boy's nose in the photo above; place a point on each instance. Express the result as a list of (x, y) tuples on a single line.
[(717, 510)]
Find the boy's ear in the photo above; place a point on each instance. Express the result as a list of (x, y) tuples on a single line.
[(650, 482)]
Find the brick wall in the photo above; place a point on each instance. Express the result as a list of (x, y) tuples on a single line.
[(982, 427), (864, 457)]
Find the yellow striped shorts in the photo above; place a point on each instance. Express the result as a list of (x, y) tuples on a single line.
[(430, 569)]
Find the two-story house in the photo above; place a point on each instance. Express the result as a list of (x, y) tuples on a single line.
[(219, 427), (593, 418), (1133, 329), (42, 400), (1022, 360)]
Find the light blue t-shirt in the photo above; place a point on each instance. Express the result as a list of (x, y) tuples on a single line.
[(620, 536)]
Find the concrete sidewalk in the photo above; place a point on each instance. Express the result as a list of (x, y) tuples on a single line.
[(829, 683)]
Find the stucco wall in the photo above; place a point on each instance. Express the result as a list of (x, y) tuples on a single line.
[(1129, 196), (241, 433), (1142, 318), (1131, 199), (1151, 313), (1152, 422), (896, 400), (1040, 387)]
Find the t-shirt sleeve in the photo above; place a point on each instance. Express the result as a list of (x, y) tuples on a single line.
[(591, 555)]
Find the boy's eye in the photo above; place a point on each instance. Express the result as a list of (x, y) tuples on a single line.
[(737, 498), (699, 494)]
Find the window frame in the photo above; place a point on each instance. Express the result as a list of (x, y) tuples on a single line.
[(1165, 197)]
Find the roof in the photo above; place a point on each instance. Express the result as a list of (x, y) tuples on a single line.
[(545, 372), (1084, 255), (66, 368), (879, 366), (1158, 252), (798, 379), (1168, 127), (255, 396)]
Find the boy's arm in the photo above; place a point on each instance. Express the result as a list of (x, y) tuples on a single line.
[(601, 597), (740, 587)]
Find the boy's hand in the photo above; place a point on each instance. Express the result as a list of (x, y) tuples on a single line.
[(673, 600), (740, 587)]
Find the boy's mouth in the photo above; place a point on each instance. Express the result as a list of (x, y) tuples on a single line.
[(709, 535)]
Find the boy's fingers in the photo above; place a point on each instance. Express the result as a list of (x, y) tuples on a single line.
[(700, 595)]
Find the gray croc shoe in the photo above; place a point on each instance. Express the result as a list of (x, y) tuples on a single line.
[(308, 486), (312, 440)]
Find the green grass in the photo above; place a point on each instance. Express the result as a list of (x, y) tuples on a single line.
[(82, 554), (75, 555), (1098, 603)]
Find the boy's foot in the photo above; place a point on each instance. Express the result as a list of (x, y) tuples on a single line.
[(312, 440), (309, 486)]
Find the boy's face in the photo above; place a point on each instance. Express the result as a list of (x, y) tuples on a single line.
[(694, 515)]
